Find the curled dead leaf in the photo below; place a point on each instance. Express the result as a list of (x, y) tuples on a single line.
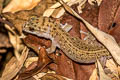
[(13, 66), (35, 42), (42, 62)]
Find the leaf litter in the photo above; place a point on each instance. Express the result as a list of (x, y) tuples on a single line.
[(20, 50)]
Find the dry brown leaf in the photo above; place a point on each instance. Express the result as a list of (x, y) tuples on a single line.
[(99, 2), (102, 75), (119, 70), (60, 11), (113, 67), (1, 5), (30, 60), (107, 40), (50, 10), (94, 75), (4, 41), (40, 75), (51, 76), (42, 62), (92, 2), (35, 42), (20, 51), (17, 5), (17, 20), (9, 28), (80, 2), (13, 66), (15, 41)]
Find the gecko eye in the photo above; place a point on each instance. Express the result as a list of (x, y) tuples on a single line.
[(33, 17)]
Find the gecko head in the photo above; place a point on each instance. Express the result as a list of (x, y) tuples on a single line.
[(33, 24), (37, 26)]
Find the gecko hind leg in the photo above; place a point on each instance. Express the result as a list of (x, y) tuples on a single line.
[(88, 35), (90, 39)]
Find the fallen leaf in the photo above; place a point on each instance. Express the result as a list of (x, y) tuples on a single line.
[(57, 13), (4, 41), (113, 67), (51, 76), (115, 28), (92, 2), (107, 12), (103, 76), (35, 42), (15, 41), (14, 66), (30, 60), (50, 10), (1, 6), (42, 62), (94, 75), (80, 3), (18, 5)]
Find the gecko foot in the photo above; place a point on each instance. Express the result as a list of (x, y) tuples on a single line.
[(51, 49)]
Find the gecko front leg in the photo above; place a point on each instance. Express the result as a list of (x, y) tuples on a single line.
[(53, 47), (65, 27)]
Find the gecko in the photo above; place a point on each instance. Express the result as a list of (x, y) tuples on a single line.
[(75, 48)]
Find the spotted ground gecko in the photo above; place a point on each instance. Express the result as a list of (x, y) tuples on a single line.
[(75, 48)]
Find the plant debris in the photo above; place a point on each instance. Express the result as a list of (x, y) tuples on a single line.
[(18, 47)]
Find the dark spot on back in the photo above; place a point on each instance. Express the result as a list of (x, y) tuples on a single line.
[(31, 29), (54, 28)]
